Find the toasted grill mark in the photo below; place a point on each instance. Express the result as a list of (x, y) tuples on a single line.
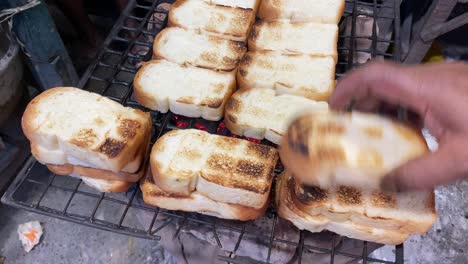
[(310, 194), (212, 102), (220, 162), (98, 121), (128, 128), (111, 147), (229, 61), (233, 104), (84, 138), (373, 132), (247, 59), (298, 136), (348, 195), (331, 154), (254, 31), (167, 194), (330, 128), (247, 167), (380, 199), (258, 150), (186, 100), (232, 118), (287, 85), (242, 72), (209, 57), (190, 154), (218, 87), (237, 46), (370, 158)]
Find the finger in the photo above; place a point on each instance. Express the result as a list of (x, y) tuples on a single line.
[(386, 81), (437, 168)]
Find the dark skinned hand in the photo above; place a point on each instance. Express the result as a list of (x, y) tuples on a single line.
[(438, 93)]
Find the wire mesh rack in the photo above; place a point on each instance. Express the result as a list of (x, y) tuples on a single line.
[(111, 74)]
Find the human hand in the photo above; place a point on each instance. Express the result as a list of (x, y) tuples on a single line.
[(438, 93)]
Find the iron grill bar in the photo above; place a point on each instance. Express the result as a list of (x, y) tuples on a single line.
[(127, 45)]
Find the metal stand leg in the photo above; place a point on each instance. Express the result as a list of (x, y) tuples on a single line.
[(431, 25), (46, 55)]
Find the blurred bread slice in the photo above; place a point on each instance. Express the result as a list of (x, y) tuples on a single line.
[(286, 206), (187, 47), (260, 113), (224, 21), (68, 125), (302, 75), (351, 149), (295, 38), (224, 169), (196, 202), (320, 11), (185, 90)]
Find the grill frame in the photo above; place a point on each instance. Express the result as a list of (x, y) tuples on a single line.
[(121, 47)]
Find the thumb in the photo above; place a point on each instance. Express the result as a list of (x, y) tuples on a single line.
[(441, 167)]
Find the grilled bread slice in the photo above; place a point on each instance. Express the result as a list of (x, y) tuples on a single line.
[(187, 47), (224, 21), (190, 91), (407, 212), (320, 11), (286, 206), (295, 38), (350, 149), (260, 113), (70, 126), (223, 169), (196, 202), (303, 75)]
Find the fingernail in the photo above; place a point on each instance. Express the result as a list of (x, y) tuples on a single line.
[(389, 183)]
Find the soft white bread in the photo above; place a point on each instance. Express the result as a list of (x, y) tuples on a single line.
[(247, 4), (228, 22), (295, 38), (303, 75), (286, 206), (320, 11), (196, 202), (260, 113), (190, 91), (221, 168), (187, 47), (351, 149), (104, 185), (70, 126)]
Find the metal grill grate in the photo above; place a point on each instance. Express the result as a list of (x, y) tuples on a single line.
[(127, 46)]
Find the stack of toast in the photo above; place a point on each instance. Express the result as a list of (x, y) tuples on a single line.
[(292, 50), (335, 163), (195, 59), (192, 170), (88, 136)]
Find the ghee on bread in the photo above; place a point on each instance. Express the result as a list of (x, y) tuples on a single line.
[(351, 149), (221, 168)]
